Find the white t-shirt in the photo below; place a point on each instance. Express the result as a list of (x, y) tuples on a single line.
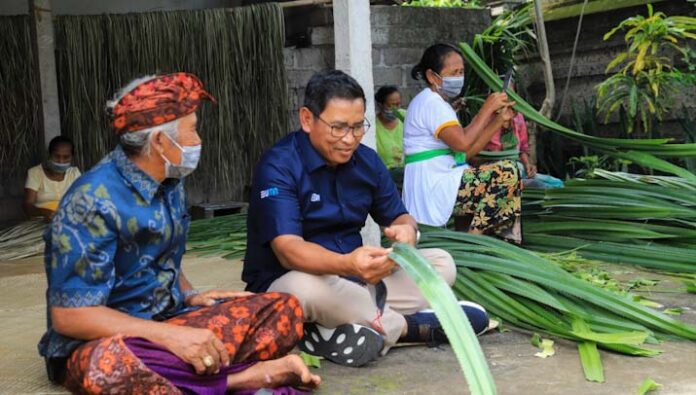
[(430, 186), (49, 192)]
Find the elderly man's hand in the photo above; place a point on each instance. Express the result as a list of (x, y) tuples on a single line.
[(404, 233), (209, 298), (371, 263), (196, 346)]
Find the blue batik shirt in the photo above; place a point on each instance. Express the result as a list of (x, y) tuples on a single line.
[(116, 240), (295, 192)]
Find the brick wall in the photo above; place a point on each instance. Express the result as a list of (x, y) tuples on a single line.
[(399, 37)]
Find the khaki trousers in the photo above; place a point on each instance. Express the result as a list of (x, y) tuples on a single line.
[(330, 300)]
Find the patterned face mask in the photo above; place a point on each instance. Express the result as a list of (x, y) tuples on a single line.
[(190, 155)]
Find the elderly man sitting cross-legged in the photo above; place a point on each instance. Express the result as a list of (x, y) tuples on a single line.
[(122, 317), (311, 195)]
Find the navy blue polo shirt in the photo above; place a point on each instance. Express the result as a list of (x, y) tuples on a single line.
[(294, 192)]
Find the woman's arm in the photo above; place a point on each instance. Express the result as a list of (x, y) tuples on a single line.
[(474, 137), (471, 140), (30, 209)]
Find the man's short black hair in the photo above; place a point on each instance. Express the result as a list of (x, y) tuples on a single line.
[(330, 84)]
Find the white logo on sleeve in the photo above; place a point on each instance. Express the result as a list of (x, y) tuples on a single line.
[(269, 192), (315, 198)]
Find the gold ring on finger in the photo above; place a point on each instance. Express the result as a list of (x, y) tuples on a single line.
[(208, 361)]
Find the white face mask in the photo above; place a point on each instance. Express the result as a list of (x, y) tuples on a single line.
[(452, 86), (58, 167), (190, 155)]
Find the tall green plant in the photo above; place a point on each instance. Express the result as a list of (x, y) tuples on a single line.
[(508, 35), (646, 80)]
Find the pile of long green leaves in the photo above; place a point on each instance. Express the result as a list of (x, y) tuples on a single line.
[(237, 53), (225, 236), (527, 291), (621, 219)]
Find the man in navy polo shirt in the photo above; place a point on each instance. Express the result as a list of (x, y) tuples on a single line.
[(311, 195)]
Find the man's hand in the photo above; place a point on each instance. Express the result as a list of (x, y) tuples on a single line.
[(208, 298), (403, 233), (198, 347), (371, 263)]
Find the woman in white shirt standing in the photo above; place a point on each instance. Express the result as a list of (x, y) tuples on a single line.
[(47, 182), (438, 182)]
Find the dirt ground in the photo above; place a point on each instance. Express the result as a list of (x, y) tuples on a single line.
[(405, 370)]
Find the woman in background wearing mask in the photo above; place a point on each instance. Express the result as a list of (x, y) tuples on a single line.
[(438, 182), (390, 127), (47, 182), (122, 316)]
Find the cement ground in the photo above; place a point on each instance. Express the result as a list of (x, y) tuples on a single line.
[(406, 370)]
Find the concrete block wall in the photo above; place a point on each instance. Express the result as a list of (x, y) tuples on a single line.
[(399, 37)]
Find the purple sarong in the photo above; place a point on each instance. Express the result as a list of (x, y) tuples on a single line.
[(183, 376)]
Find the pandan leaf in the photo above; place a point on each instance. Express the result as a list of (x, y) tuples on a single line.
[(648, 385), (547, 349), (673, 311), (310, 360), (690, 286), (589, 355), (457, 328)]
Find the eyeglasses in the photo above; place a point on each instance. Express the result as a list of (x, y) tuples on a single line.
[(341, 130)]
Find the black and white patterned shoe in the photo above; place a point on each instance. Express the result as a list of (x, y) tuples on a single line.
[(348, 344)]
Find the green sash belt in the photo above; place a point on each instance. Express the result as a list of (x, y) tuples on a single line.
[(459, 157), (511, 154)]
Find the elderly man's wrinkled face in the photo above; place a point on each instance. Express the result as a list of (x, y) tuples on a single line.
[(336, 132), (180, 158), (187, 137)]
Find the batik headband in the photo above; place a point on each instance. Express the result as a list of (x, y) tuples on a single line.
[(157, 101)]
